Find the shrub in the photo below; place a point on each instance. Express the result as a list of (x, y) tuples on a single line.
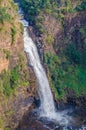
[(9, 80), (7, 52), (6, 128), (22, 28), (82, 6), (14, 77), (66, 76), (4, 16), (1, 123), (49, 39), (73, 53), (13, 33), (6, 83)]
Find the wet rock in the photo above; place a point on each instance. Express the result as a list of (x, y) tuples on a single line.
[(37, 101)]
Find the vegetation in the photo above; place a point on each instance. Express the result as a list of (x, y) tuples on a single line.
[(82, 6), (11, 79), (49, 39), (58, 9), (4, 16), (68, 73), (65, 76), (75, 55), (67, 70), (36, 9), (1, 123), (6, 128), (7, 53), (8, 21), (13, 33)]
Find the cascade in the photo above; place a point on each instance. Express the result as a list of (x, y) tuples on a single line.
[(47, 103), (47, 107)]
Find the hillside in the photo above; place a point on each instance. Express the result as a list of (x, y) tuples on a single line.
[(58, 28), (15, 75), (60, 31)]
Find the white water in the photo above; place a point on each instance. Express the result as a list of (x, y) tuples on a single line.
[(47, 102), (47, 107)]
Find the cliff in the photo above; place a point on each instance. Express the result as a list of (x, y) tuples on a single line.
[(59, 31), (60, 35), (17, 79)]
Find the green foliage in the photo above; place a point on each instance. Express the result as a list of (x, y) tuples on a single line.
[(66, 76), (53, 61), (1, 123), (39, 27), (82, 6), (6, 128), (49, 39), (14, 6), (33, 9), (22, 28), (14, 77), (4, 16), (9, 81), (13, 33), (82, 30), (73, 53), (7, 52)]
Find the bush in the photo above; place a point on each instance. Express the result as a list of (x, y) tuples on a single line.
[(40, 28), (9, 81), (73, 53), (82, 6), (1, 123), (49, 39), (7, 128), (7, 53), (22, 28), (66, 76), (5, 76), (14, 77), (13, 33), (4, 16)]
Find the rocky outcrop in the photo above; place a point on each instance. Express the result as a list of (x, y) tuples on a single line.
[(73, 23), (12, 110), (13, 107)]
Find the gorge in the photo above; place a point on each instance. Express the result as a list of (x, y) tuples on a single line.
[(47, 109), (43, 65)]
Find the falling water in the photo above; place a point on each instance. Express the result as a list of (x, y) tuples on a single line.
[(47, 107), (47, 103)]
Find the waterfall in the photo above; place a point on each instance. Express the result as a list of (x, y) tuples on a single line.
[(47, 107), (47, 103)]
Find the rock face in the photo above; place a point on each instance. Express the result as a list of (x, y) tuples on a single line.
[(71, 31), (4, 63), (12, 108), (62, 35), (22, 101)]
